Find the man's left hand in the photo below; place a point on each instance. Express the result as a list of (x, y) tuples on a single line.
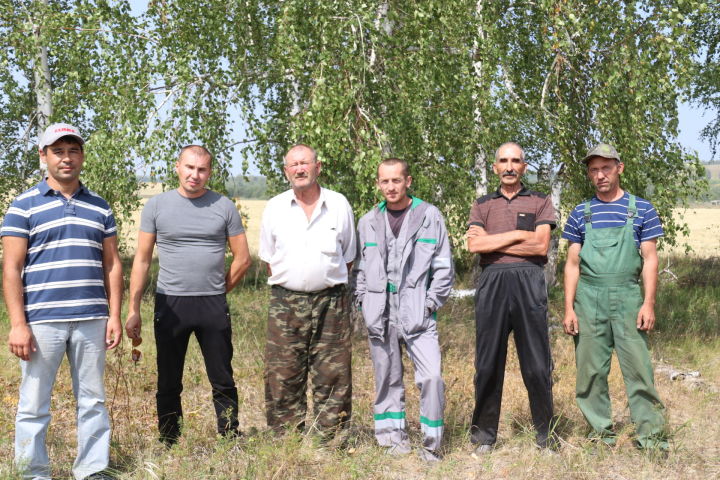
[(113, 333), (475, 231), (646, 318)]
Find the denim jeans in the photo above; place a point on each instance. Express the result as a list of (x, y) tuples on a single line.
[(84, 344)]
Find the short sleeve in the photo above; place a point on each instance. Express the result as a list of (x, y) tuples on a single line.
[(267, 245), (651, 225), (16, 222), (572, 231), (348, 234), (110, 225), (234, 221), (546, 213), (477, 215), (148, 217)]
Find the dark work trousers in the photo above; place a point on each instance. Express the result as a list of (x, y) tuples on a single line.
[(511, 297), (208, 317)]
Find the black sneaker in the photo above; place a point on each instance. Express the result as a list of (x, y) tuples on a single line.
[(99, 476)]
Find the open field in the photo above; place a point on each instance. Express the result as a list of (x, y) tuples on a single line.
[(687, 340), (704, 225)]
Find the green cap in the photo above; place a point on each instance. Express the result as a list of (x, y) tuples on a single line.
[(602, 150)]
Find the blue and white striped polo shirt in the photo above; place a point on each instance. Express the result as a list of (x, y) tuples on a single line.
[(63, 276), (613, 214)]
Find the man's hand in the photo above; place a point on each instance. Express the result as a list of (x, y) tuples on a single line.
[(475, 231), (133, 325), (21, 342), (570, 323), (113, 333), (646, 318)]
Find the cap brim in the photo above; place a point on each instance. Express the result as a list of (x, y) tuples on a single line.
[(57, 136)]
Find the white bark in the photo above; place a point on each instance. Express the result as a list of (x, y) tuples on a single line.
[(481, 187), (43, 86), (556, 188)]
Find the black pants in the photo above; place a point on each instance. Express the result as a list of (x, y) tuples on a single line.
[(511, 297), (208, 317)]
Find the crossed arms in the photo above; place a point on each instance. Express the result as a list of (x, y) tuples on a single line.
[(521, 243)]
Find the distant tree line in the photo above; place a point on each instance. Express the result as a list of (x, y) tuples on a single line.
[(240, 186)]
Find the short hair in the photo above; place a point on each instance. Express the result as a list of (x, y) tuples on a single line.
[(198, 150), (514, 144), (67, 139), (395, 161), (301, 146)]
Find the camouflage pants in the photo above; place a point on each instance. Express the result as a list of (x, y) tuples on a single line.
[(308, 333)]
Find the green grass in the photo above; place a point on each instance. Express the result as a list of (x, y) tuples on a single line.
[(687, 338)]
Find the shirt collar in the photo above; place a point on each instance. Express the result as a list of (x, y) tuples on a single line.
[(523, 191), (46, 189), (293, 197)]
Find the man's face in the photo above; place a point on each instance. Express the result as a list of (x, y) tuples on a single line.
[(193, 172), (604, 173), (301, 169), (509, 165), (64, 161), (393, 185)]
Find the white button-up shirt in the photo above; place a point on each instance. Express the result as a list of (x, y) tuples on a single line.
[(308, 255)]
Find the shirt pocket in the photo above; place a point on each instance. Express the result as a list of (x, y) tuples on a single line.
[(526, 221), (425, 243), (326, 237), (374, 267)]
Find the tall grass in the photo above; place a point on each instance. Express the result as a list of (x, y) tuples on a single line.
[(682, 339)]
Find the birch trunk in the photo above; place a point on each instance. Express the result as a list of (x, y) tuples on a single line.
[(556, 188), (481, 187), (43, 86)]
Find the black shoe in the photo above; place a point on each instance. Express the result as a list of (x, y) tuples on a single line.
[(548, 442), (99, 476), (231, 434), (484, 449)]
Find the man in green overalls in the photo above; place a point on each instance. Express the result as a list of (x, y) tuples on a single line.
[(612, 244)]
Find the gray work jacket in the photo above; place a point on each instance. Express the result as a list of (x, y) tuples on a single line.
[(427, 272)]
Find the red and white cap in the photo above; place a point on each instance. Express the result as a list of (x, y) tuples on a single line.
[(56, 131)]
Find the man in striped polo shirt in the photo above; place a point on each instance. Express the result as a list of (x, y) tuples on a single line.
[(612, 244), (62, 280)]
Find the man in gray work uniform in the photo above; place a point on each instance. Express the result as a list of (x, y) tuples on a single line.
[(191, 226), (405, 273)]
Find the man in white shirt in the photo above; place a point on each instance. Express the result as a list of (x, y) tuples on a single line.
[(307, 239)]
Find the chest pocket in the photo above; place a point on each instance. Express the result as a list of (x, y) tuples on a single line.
[(423, 249), (327, 239), (375, 277), (526, 221), (602, 243)]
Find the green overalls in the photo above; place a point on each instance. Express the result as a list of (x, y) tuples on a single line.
[(607, 303)]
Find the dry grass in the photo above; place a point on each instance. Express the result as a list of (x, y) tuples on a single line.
[(137, 455), (704, 238), (692, 412)]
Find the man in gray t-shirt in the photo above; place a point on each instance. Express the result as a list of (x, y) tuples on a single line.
[(191, 227)]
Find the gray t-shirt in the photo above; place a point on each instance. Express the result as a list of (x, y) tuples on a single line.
[(191, 234)]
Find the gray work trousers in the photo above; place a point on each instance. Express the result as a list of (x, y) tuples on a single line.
[(389, 410)]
